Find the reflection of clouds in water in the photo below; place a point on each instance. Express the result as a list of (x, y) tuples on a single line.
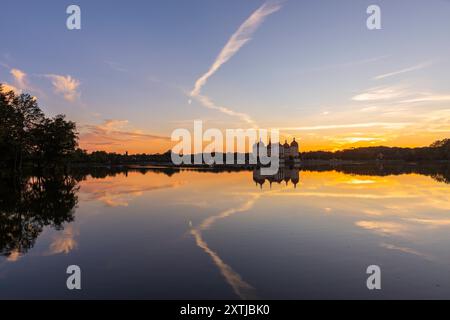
[(400, 195), (403, 227), (118, 200), (383, 227), (194, 203), (406, 250), (345, 195), (14, 256), (359, 181), (64, 242), (373, 212), (122, 195), (208, 222), (240, 287), (406, 207), (432, 223)]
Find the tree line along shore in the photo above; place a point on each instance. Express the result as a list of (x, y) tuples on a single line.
[(29, 138)]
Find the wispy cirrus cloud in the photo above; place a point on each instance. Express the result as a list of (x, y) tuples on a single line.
[(405, 70), (349, 64), (67, 86), (237, 41), (381, 93), (428, 97), (398, 94), (387, 125), (116, 66), (208, 103), (234, 44)]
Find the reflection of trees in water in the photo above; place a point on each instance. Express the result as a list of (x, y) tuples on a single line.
[(100, 172), (82, 173), (28, 204), (438, 171), (441, 178)]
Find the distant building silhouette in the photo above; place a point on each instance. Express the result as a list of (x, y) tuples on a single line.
[(288, 154), (285, 175)]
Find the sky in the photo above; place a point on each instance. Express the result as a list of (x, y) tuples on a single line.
[(138, 70)]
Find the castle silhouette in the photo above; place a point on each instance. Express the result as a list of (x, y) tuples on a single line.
[(288, 153)]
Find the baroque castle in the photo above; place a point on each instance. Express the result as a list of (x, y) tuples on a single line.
[(288, 153)]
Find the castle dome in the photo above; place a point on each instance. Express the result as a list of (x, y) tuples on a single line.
[(259, 144), (294, 143), (286, 144)]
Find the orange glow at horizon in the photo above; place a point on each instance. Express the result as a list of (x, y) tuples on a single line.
[(140, 145)]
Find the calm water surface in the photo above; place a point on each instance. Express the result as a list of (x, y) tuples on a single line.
[(168, 234)]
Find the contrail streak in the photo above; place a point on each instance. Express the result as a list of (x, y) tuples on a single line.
[(234, 44)]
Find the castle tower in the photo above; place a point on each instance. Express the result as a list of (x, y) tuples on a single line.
[(293, 150)]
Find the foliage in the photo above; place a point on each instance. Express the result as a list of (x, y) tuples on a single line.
[(27, 135)]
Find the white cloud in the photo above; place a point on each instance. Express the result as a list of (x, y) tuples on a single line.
[(6, 87), (346, 140), (14, 256), (428, 98), (380, 93), (64, 242), (65, 85), (113, 125), (19, 78)]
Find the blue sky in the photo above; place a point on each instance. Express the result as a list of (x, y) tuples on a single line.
[(311, 68)]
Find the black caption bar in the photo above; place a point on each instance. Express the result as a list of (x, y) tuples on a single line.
[(226, 309)]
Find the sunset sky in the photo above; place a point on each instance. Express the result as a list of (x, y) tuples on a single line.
[(137, 70)]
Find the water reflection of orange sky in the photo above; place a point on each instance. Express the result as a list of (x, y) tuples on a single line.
[(405, 199), (330, 184), (400, 210)]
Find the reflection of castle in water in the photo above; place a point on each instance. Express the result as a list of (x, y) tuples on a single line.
[(284, 174)]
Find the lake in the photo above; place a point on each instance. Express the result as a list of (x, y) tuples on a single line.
[(163, 233)]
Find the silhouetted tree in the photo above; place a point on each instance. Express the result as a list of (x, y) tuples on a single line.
[(25, 132), (55, 140)]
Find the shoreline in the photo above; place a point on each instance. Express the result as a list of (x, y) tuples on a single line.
[(304, 163)]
